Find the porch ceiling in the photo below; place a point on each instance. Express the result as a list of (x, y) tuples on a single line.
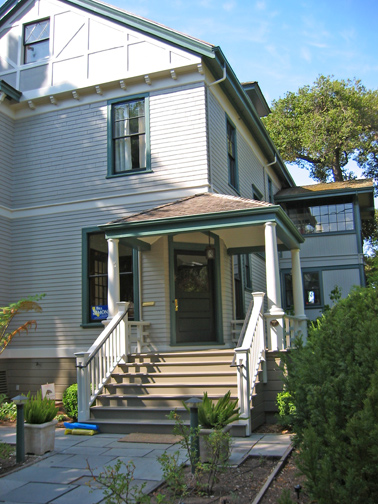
[(239, 222)]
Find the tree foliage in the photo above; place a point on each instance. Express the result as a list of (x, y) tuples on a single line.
[(333, 384), (7, 314), (324, 126)]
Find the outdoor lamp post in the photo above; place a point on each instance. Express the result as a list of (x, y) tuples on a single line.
[(193, 404), (20, 400)]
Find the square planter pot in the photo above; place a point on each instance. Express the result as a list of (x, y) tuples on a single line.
[(40, 438), (205, 452)]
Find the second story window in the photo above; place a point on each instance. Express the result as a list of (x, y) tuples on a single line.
[(129, 136), (36, 41), (231, 151)]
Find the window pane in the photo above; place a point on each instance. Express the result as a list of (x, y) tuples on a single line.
[(37, 31), (129, 136), (36, 52)]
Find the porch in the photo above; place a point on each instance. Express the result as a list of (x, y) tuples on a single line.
[(126, 368)]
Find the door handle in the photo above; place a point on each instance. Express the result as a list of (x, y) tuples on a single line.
[(176, 305)]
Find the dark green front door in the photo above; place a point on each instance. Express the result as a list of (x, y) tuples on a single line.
[(194, 297)]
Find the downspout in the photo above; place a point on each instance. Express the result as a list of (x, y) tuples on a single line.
[(273, 162), (220, 80)]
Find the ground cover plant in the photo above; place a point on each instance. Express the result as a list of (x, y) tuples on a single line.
[(331, 401)]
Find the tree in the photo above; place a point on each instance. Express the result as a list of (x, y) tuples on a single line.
[(323, 127), (7, 314)]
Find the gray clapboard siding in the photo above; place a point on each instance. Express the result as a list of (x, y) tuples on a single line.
[(155, 287), (5, 260), (217, 145), (57, 159), (344, 279), (6, 159), (250, 170), (30, 374)]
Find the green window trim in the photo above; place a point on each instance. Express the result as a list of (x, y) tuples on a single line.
[(36, 41), (86, 316), (136, 133), (312, 280)]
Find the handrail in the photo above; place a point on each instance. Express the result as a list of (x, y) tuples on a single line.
[(249, 353), (95, 366)]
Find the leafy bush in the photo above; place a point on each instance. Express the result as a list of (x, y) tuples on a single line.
[(286, 409), (217, 416), (70, 401), (38, 410), (333, 382), (8, 410)]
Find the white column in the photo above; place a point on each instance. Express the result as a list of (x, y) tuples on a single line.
[(113, 277), (273, 289), (272, 269), (299, 308)]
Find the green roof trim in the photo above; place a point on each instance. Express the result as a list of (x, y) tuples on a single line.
[(311, 195), (9, 91), (286, 230)]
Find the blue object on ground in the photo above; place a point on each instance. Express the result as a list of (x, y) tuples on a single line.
[(79, 425)]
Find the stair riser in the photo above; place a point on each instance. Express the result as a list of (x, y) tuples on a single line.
[(192, 389), (151, 414), (185, 358), (130, 428), (175, 367), (146, 401), (163, 379)]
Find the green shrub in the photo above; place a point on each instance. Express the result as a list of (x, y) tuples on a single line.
[(70, 401), (8, 410), (286, 409), (38, 410), (333, 382)]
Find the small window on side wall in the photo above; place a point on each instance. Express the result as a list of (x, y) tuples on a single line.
[(311, 289), (129, 137), (231, 152), (37, 41)]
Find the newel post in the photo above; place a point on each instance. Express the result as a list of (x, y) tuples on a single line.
[(244, 388), (83, 386)]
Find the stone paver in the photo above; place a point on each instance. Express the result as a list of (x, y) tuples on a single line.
[(63, 476)]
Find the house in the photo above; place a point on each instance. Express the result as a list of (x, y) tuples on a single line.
[(140, 193)]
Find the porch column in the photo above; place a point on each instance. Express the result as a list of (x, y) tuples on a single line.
[(113, 277), (275, 312), (299, 309)]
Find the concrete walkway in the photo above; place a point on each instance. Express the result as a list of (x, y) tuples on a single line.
[(62, 476)]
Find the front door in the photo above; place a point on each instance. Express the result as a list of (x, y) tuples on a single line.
[(194, 297)]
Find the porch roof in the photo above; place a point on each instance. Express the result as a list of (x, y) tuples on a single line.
[(225, 215)]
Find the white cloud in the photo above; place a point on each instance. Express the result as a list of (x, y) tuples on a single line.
[(306, 54)]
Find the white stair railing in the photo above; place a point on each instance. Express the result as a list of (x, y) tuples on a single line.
[(293, 327), (249, 353), (95, 366)]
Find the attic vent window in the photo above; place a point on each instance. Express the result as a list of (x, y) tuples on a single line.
[(36, 41)]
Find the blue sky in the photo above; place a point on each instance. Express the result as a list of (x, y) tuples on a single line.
[(282, 44)]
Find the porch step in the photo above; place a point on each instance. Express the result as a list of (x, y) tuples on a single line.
[(141, 393)]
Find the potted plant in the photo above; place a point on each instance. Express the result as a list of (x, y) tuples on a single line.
[(214, 417), (40, 424)]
